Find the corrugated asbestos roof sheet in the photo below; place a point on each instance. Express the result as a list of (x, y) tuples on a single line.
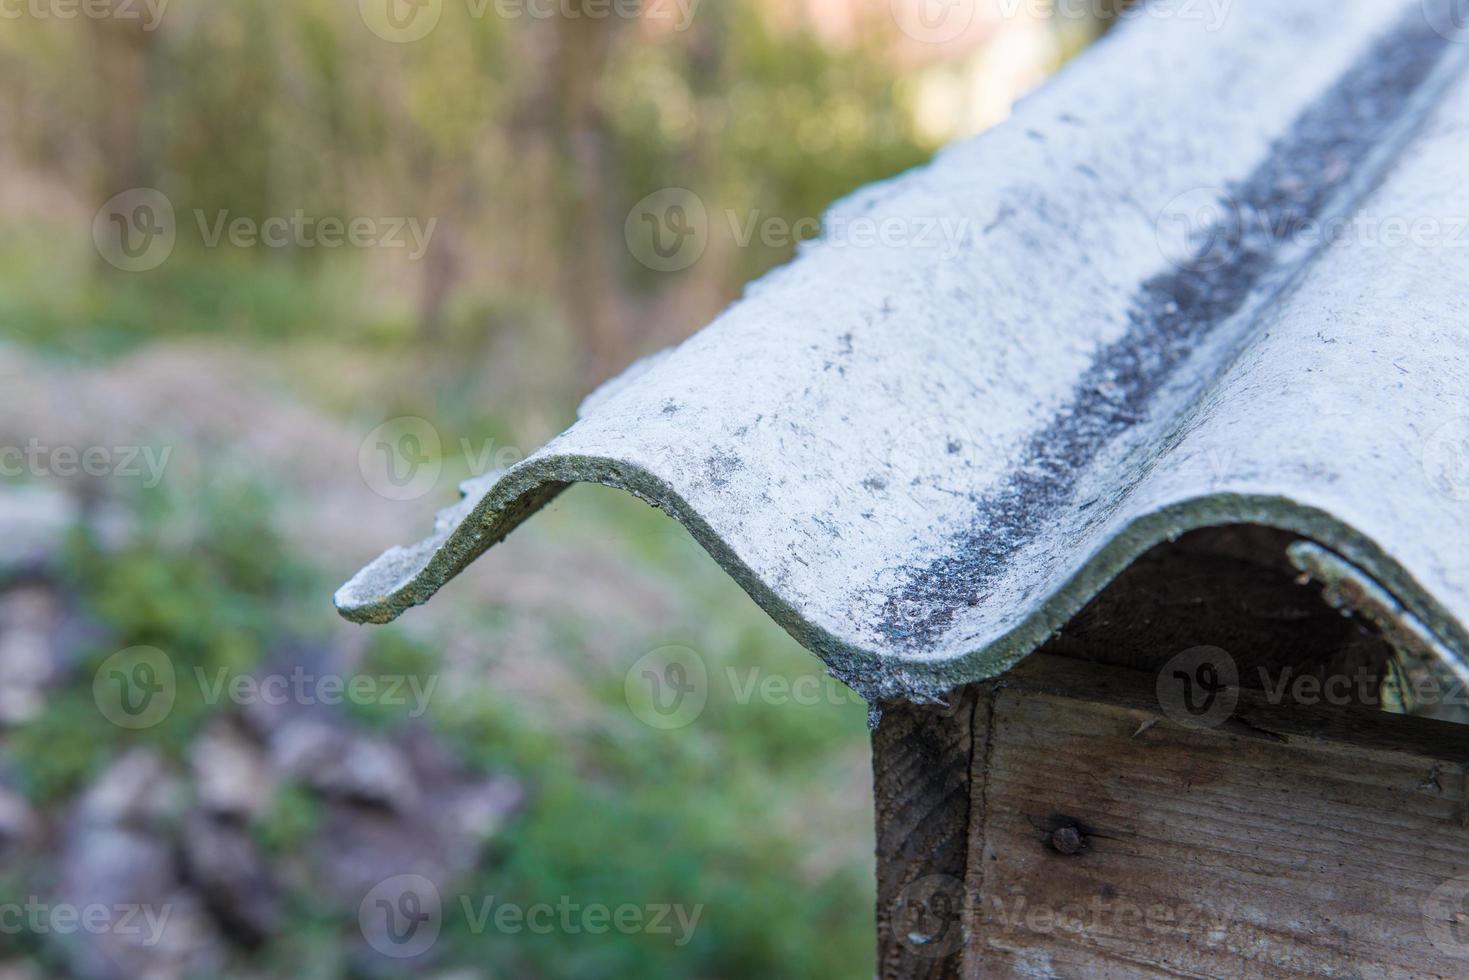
[(1212, 273)]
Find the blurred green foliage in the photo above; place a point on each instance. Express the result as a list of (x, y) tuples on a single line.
[(529, 157), (213, 601), (617, 810), (529, 141)]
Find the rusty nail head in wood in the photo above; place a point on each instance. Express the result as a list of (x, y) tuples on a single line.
[(1068, 840)]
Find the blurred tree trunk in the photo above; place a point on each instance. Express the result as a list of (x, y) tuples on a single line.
[(456, 207), (590, 284), (441, 274), (121, 52)]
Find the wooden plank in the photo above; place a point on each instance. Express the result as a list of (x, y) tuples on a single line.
[(922, 756), (1114, 841)]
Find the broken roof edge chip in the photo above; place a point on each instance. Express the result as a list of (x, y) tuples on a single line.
[(922, 462)]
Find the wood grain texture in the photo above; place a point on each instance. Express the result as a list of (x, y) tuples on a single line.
[(922, 757), (1292, 841)]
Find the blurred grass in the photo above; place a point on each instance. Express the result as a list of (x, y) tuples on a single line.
[(617, 811), (54, 299), (532, 158)]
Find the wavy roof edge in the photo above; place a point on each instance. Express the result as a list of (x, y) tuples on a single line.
[(1165, 307)]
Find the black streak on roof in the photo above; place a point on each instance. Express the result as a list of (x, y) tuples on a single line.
[(1173, 313)]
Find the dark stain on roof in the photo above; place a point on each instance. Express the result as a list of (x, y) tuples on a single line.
[(1328, 154)]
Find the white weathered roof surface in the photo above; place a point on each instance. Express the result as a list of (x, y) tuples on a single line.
[(922, 458)]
